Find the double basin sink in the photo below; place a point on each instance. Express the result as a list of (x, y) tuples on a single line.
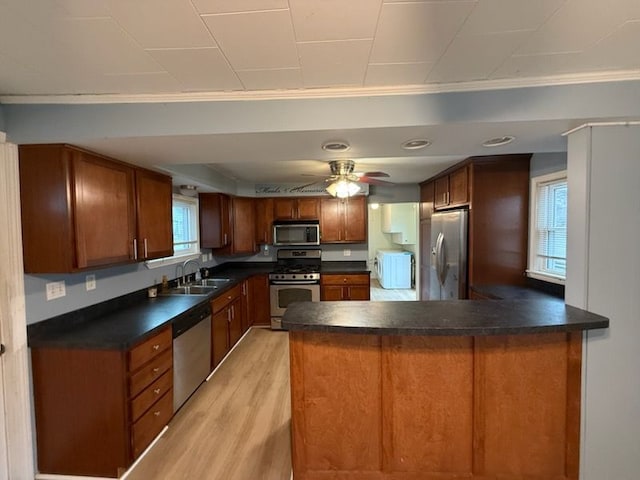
[(199, 287)]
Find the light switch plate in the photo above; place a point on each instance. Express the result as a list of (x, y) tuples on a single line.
[(55, 290), (90, 282), (347, 252)]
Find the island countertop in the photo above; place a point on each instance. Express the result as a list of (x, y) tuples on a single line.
[(441, 318)]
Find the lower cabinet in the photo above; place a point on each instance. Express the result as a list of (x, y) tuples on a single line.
[(97, 410), (259, 300), (226, 323), (344, 287)]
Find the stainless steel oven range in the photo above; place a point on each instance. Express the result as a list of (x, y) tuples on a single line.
[(296, 278)]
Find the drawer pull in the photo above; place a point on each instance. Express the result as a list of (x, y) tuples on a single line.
[(156, 346), (157, 391), (156, 369), (157, 413)]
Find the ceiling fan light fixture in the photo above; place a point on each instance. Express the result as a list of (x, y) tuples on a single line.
[(498, 141), (416, 144), (335, 146), (343, 188)]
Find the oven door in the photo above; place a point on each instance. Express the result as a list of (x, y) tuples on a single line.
[(283, 293)]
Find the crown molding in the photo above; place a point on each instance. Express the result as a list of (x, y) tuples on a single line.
[(320, 93)]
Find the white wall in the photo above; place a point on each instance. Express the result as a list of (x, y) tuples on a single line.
[(603, 276), (377, 239)]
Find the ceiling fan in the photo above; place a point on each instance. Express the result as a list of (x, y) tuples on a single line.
[(343, 181)]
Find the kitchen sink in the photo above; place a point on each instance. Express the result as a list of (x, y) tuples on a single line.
[(191, 290), (212, 282)]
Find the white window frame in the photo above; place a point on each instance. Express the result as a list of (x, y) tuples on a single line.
[(181, 257), (533, 214)]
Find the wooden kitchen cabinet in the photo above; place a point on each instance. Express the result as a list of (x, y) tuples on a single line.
[(226, 323), (452, 190), (215, 220), (259, 300), (264, 220), (427, 195), (343, 220), (97, 410), (293, 208), (339, 287), (82, 210)]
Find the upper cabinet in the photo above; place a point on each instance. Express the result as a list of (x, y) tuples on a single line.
[(215, 220), (81, 210), (343, 220), (264, 220), (427, 192), (227, 224), (303, 208), (452, 189)]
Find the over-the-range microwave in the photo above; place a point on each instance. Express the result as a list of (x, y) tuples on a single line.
[(296, 232)]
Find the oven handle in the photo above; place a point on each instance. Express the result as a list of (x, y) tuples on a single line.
[(302, 282)]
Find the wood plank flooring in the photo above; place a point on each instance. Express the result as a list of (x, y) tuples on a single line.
[(237, 425)]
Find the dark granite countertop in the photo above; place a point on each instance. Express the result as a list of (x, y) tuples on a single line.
[(344, 267), (446, 317), (510, 292)]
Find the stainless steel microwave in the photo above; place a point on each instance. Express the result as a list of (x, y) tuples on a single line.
[(296, 232)]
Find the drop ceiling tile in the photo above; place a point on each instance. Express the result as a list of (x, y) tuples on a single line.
[(275, 79), (156, 82), (613, 52), (474, 57), (522, 66), (230, 6), (86, 8), (334, 19), (342, 62), (397, 73), (273, 47), (164, 24), (100, 44), (492, 16), (575, 27), (198, 68), (417, 32)]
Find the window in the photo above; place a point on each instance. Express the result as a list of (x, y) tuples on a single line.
[(548, 227), (185, 226)]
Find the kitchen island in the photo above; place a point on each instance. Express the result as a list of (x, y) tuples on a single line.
[(436, 390)]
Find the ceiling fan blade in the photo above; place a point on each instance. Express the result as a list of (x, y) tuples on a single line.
[(375, 174), (374, 181)]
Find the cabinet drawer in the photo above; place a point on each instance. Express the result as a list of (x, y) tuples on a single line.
[(151, 423), (148, 373), (356, 279), (151, 394), (221, 301), (145, 351)]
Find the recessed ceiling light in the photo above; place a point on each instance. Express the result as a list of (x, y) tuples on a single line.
[(416, 144), (336, 146), (499, 141)]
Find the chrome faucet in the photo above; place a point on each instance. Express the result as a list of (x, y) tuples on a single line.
[(184, 269)]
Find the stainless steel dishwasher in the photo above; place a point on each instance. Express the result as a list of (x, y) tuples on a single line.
[(191, 352)]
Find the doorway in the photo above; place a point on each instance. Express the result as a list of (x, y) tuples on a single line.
[(394, 227)]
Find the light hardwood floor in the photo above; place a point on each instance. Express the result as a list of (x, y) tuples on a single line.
[(379, 294), (237, 425)]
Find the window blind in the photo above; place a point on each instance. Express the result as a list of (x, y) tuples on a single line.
[(551, 228)]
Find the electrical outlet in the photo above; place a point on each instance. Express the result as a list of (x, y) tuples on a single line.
[(204, 257), (55, 290), (265, 250), (90, 282), (347, 252)]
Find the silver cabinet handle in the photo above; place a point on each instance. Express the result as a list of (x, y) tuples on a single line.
[(225, 239), (157, 413), (157, 391), (146, 254), (156, 346), (229, 315), (135, 249), (156, 370)]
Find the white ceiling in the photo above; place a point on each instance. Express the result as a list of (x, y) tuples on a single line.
[(101, 51)]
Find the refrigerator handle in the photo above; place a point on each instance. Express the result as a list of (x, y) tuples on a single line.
[(442, 261), (438, 259)]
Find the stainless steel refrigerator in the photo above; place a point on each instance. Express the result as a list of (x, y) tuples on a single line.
[(448, 255)]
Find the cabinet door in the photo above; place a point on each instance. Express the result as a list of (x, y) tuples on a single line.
[(104, 211), (441, 192), (235, 321), (214, 220), (331, 292), (330, 220), (459, 186), (219, 335), (259, 300), (243, 240), (154, 204), (355, 219), (264, 220), (427, 191), (308, 208), (247, 300), (284, 208), (358, 292)]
